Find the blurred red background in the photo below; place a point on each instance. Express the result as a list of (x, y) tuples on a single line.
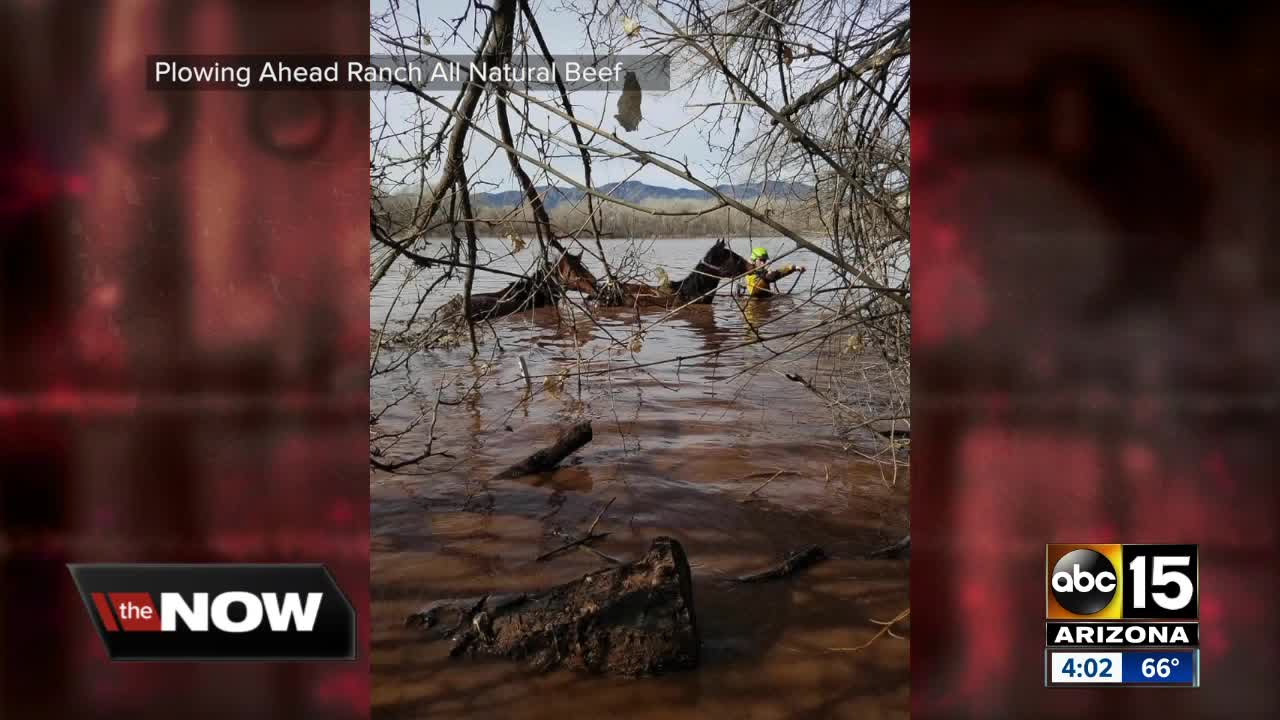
[(183, 334), (1096, 347), (183, 339)]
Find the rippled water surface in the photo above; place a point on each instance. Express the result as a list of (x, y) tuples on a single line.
[(679, 447)]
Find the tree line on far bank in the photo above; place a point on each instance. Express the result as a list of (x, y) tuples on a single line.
[(661, 218)]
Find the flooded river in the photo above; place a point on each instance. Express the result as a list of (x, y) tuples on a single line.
[(679, 447)]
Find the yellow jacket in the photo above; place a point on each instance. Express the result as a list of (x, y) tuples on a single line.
[(760, 282)]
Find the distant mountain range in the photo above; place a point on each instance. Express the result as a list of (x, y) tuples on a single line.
[(637, 192)]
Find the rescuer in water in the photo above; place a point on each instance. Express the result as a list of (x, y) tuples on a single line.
[(760, 281)]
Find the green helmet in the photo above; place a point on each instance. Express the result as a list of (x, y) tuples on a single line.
[(759, 254)]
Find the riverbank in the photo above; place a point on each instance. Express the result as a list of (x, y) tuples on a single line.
[(657, 220)]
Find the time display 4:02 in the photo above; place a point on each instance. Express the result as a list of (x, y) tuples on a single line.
[(1085, 667)]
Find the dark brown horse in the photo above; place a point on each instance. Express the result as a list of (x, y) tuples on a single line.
[(532, 291), (699, 286)]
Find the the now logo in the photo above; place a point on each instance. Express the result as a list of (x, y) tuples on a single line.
[(223, 612), (232, 612)]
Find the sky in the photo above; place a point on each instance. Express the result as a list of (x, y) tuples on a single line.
[(662, 111)]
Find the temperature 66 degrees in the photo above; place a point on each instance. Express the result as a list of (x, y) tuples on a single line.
[(1165, 668)]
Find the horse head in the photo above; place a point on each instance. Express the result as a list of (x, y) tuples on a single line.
[(573, 273), (724, 262)]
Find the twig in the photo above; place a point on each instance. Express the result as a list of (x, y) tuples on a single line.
[(599, 515), (392, 467), (894, 549), (524, 371), (888, 628), (588, 537), (602, 556), (797, 560), (580, 541), (761, 486), (589, 549), (760, 473)]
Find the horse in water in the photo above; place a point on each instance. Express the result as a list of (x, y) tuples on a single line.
[(699, 286), (532, 291), (538, 289)]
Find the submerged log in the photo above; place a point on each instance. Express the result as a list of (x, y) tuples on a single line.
[(547, 458), (797, 560), (633, 619)]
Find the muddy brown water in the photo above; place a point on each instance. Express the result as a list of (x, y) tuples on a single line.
[(678, 447)]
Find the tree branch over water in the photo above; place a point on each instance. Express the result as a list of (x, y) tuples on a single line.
[(799, 93)]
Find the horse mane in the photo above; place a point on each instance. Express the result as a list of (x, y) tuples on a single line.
[(698, 282), (705, 278), (698, 286)]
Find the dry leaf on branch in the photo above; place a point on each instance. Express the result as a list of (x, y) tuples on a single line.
[(629, 104), (516, 242)]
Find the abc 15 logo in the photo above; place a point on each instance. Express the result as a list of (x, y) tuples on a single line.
[(1115, 582)]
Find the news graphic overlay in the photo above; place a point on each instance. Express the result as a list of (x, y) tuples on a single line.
[(250, 612), (429, 73), (1122, 615)]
